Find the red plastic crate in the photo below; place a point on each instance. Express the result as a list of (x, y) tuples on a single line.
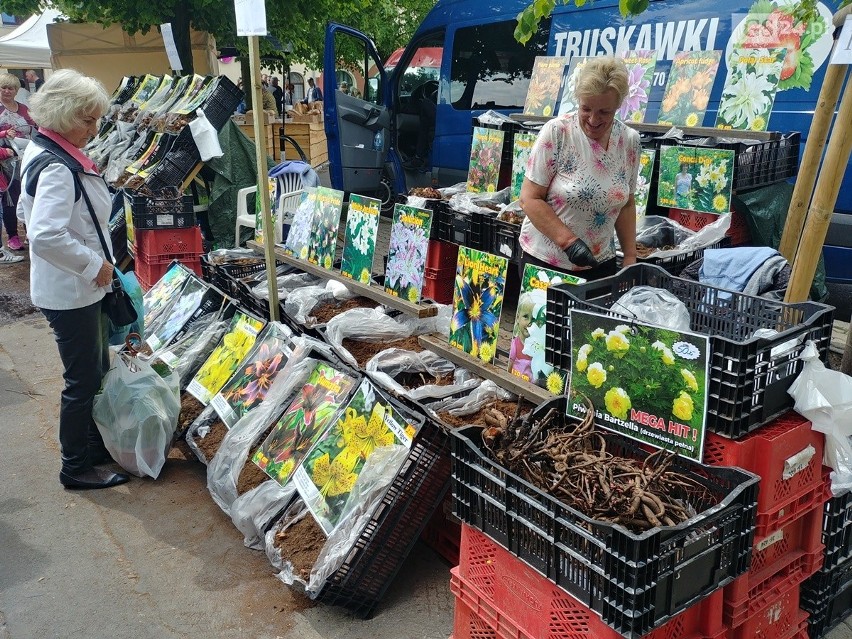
[(441, 255), (502, 591), (438, 284), (774, 615), (168, 243), (443, 533), (738, 230), (149, 272), (788, 485)]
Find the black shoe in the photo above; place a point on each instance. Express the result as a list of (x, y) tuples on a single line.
[(92, 478)]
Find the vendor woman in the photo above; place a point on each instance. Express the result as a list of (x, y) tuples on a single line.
[(580, 181)]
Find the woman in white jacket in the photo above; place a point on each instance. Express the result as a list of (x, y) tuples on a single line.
[(69, 275)]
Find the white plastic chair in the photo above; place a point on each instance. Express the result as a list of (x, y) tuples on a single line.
[(244, 217), (289, 193)]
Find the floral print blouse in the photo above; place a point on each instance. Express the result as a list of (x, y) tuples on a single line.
[(587, 186)]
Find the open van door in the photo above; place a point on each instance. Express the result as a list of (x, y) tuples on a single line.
[(357, 127)]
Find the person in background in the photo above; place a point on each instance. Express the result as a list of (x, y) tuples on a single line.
[(69, 273), (344, 87), (34, 83), (268, 99), (580, 181), (314, 93), (289, 92), (15, 122), (278, 94)]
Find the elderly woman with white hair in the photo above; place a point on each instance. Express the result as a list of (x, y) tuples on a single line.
[(66, 205), (580, 181)]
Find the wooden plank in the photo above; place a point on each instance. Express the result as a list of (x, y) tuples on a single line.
[(504, 379), (189, 178), (421, 310)]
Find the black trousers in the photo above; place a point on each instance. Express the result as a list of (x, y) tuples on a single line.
[(605, 269), (82, 337), (9, 200)]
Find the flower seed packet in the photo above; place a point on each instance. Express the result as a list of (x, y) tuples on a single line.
[(327, 475), (223, 361), (323, 242), (640, 73), (359, 245), (486, 152), (643, 182), (526, 353), (164, 291), (543, 90), (248, 386), (478, 302), (409, 242), (696, 179), (568, 101), (304, 421), (688, 88), (193, 297), (521, 148), (750, 88), (299, 237)]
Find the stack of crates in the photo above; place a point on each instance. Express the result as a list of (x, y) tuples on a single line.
[(161, 229), (440, 274)]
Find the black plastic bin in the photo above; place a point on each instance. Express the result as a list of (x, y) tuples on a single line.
[(749, 376), (837, 530), (461, 227), (635, 581), (503, 238), (827, 596), (165, 210)]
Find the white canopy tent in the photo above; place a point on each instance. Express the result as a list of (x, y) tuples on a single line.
[(27, 47)]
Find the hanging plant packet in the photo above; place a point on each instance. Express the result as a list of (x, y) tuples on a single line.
[(643, 182), (521, 148), (359, 245), (478, 302), (315, 408), (248, 386), (568, 101), (299, 237), (543, 91), (195, 299), (223, 361), (486, 151), (750, 88), (164, 292), (526, 353), (327, 475), (323, 242), (688, 88), (640, 74), (409, 242), (696, 179)]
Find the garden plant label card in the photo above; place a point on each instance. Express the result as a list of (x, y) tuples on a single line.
[(640, 73), (688, 88), (568, 101), (161, 294), (749, 92), (304, 421), (478, 302), (171, 322), (645, 382), (299, 237), (248, 385), (526, 353), (643, 182), (696, 179), (409, 242), (521, 148), (486, 152), (327, 475), (258, 213), (323, 242), (223, 361), (359, 244), (543, 90)]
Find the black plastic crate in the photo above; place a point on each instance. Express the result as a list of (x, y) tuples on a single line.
[(674, 264), (182, 158), (837, 530), (222, 103), (635, 581), (461, 227), (503, 238), (387, 539), (163, 211), (749, 376), (827, 596)]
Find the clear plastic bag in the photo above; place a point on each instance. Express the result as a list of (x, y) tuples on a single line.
[(825, 398), (300, 302), (470, 403), (655, 306), (253, 511), (391, 362), (136, 414)]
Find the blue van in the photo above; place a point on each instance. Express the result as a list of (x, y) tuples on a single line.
[(482, 67)]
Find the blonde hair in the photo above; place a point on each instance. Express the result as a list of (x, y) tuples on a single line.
[(9, 80), (599, 75), (65, 99)]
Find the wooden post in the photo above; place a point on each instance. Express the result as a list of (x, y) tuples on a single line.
[(822, 205), (262, 180), (809, 166)]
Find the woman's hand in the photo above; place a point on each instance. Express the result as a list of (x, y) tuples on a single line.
[(11, 134), (104, 277)]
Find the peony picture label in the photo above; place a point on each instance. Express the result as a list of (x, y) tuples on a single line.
[(646, 382)]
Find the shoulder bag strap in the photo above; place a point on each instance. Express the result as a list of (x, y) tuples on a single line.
[(94, 219)]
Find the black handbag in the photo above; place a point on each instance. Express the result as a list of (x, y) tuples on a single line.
[(117, 304)]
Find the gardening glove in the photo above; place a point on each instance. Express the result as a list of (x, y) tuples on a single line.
[(580, 254)]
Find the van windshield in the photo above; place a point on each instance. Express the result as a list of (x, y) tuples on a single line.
[(490, 69)]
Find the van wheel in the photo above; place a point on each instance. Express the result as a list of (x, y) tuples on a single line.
[(386, 194)]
